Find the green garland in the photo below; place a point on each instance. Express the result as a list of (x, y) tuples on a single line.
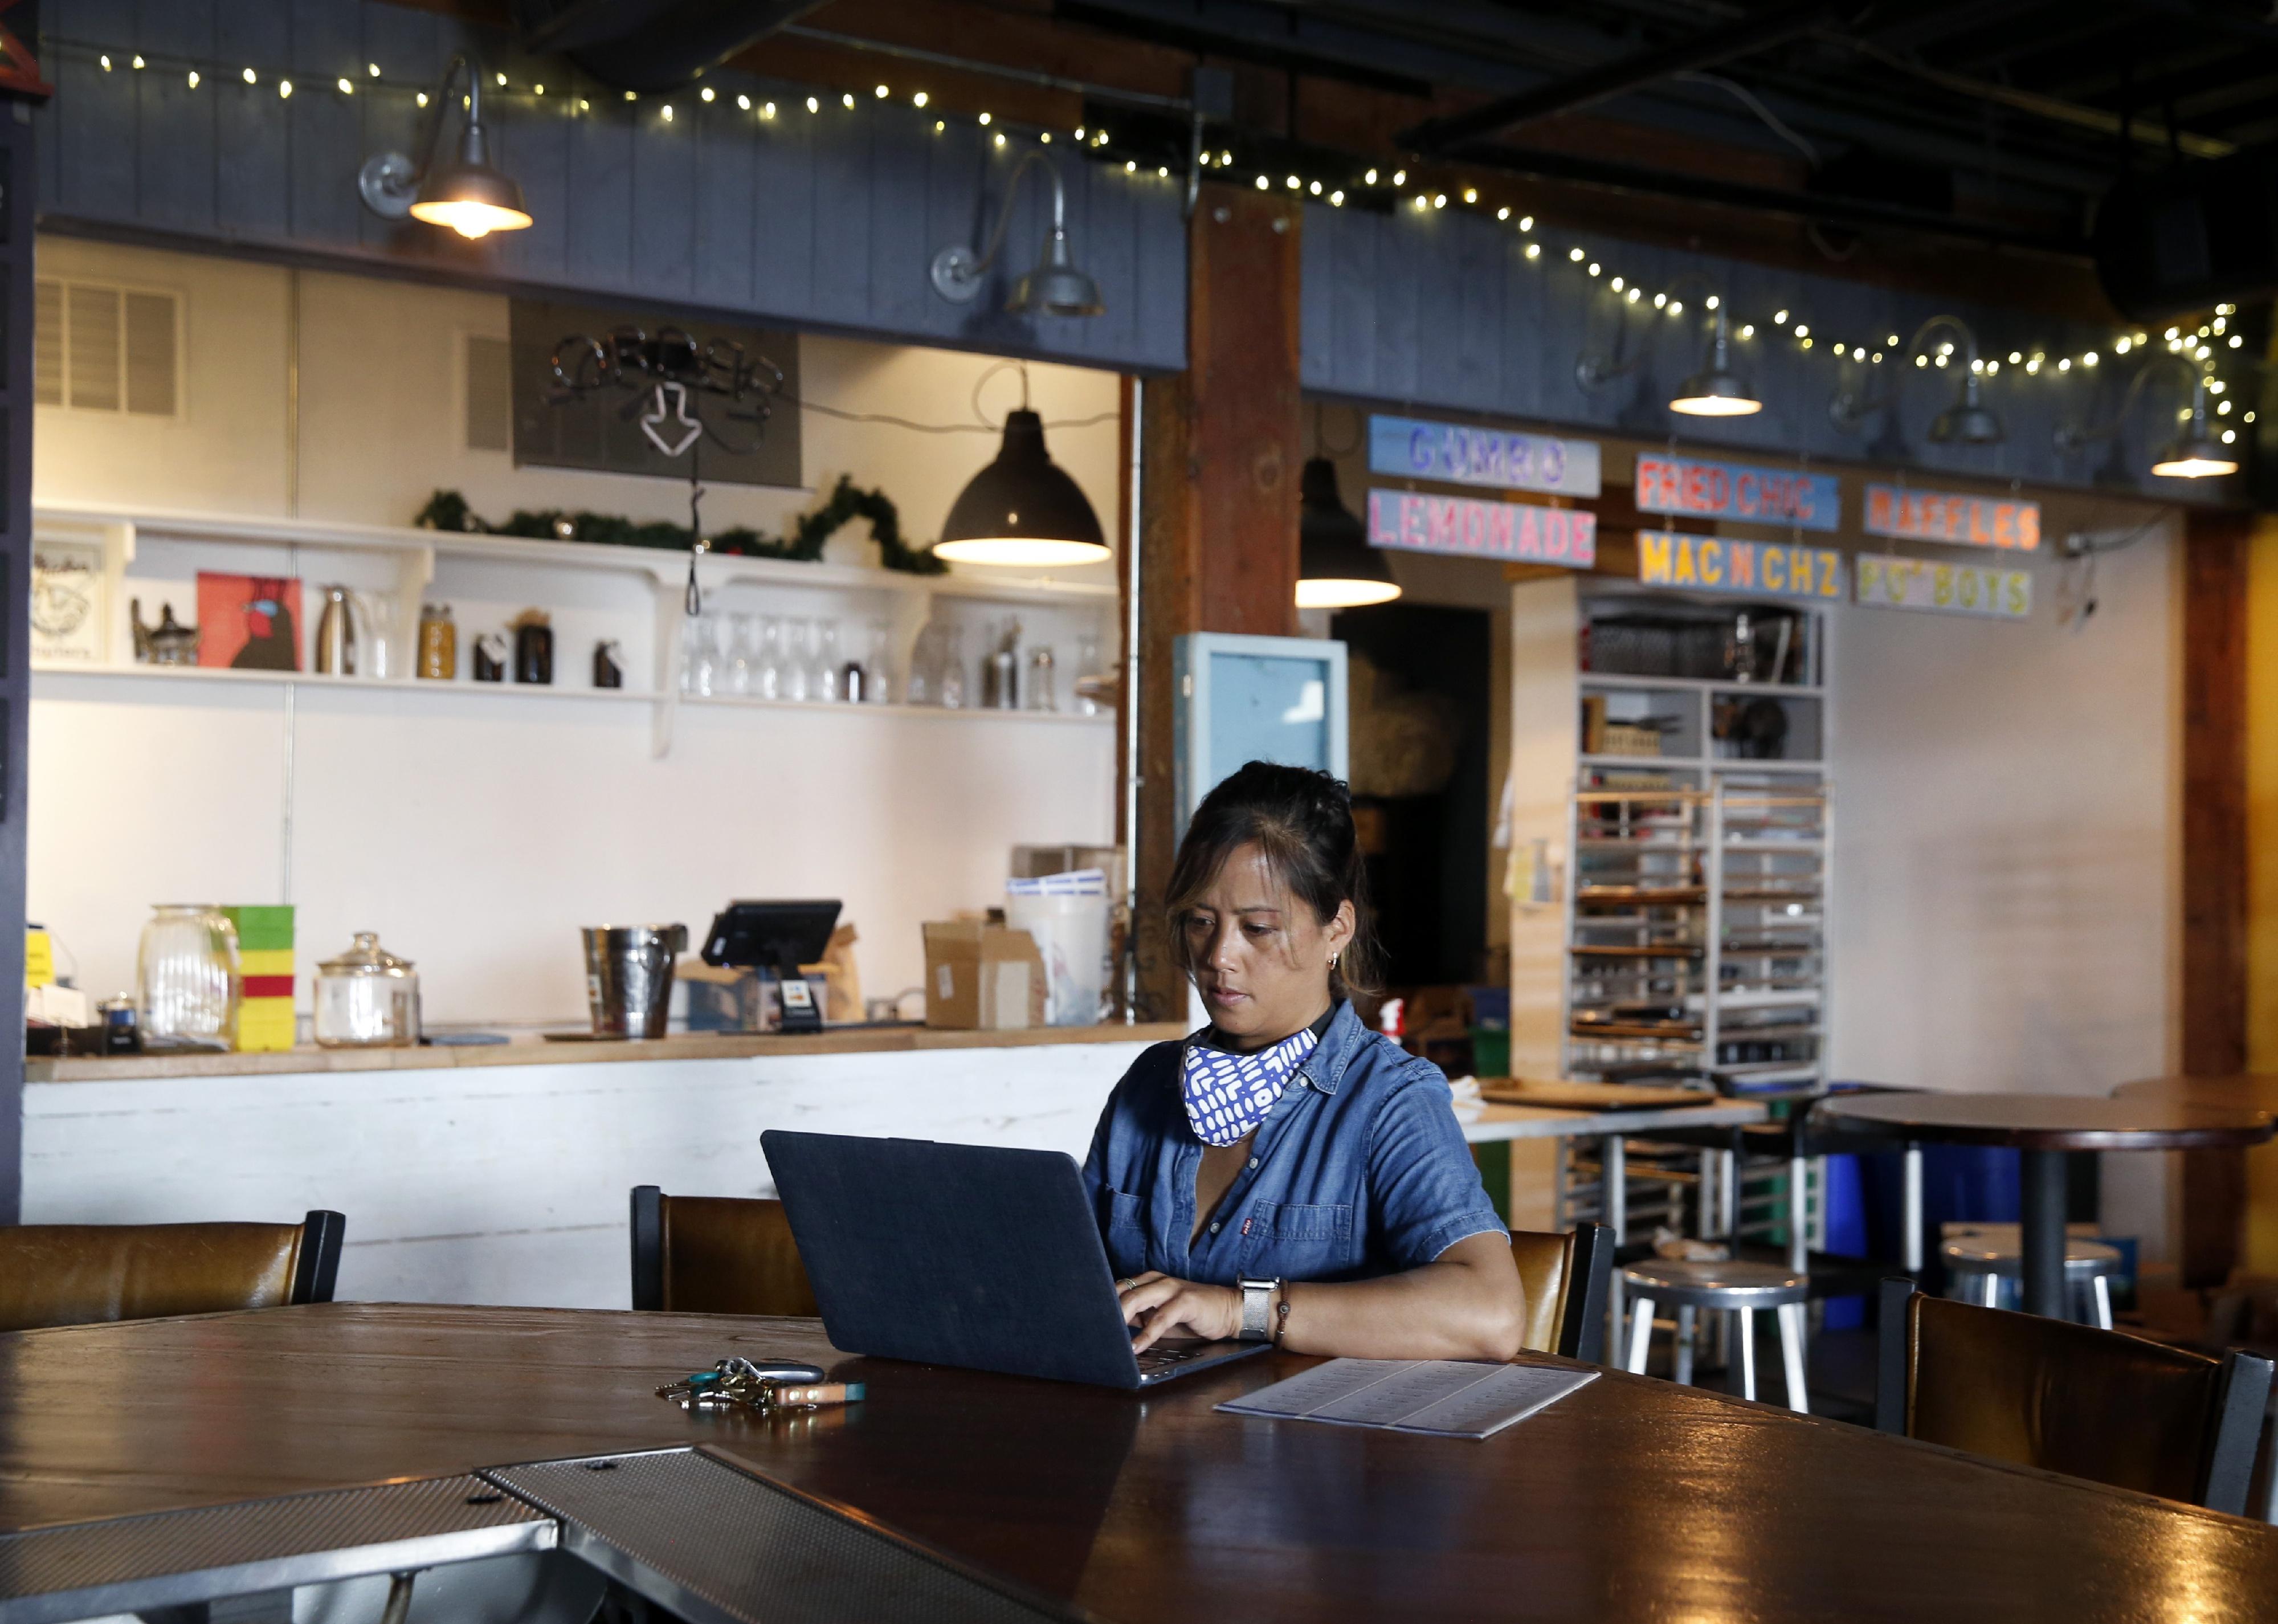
[(448, 510)]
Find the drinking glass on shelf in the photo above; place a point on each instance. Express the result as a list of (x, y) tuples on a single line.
[(743, 634), (185, 976), (796, 673), (825, 682), (702, 679), (951, 686), (877, 684), (1043, 691), (921, 687), (768, 673)]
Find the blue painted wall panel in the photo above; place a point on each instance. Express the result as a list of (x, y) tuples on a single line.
[(820, 220)]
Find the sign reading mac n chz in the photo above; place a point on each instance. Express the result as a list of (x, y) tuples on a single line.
[(1741, 569), (1460, 454), (1467, 527), (1945, 516), (1696, 489)]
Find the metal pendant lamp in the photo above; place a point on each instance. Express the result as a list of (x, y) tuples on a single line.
[(1337, 568), (469, 193), (1022, 509)]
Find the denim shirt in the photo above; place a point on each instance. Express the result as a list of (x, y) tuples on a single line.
[(1360, 1169)]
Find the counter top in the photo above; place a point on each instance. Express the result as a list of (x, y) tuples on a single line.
[(530, 1050)]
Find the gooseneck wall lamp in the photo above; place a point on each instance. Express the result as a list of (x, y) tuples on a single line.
[(1714, 390), (2195, 452), (469, 193), (1968, 422), (1055, 287)]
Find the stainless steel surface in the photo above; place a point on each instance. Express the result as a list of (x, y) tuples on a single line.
[(137, 1564), (718, 1545), (336, 638), (628, 978), (1714, 1285)]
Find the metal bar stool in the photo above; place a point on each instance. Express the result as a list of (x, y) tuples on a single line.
[(1740, 1288), (1976, 1264)]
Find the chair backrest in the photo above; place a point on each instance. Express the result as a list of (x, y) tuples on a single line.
[(712, 1254), (1566, 1278), (90, 1273), (2094, 1404)]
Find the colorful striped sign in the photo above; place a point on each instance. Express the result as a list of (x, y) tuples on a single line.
[(1948, 516), (1461, 454), (1696, 489), (1996, 593), (1732, 568), (1467, 527)]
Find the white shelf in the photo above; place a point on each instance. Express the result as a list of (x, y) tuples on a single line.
[(1695, 763), (1699, 685)]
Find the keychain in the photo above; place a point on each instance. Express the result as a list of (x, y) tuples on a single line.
[(739, 1383)]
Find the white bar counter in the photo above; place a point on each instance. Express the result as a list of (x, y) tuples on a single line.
[(499, 1174)]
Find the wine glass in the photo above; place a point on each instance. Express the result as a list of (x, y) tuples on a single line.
[(876, 683), (826, 684), (742, 635), (767, 678), (952, 668), (796, 670)]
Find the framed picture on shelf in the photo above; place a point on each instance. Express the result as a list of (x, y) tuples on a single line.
[(248, 621), (71, 618)]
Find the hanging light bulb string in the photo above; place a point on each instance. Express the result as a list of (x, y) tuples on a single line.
[(2205, 342)]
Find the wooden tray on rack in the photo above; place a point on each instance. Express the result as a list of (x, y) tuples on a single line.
[(1573, 1096), (1641, 893)]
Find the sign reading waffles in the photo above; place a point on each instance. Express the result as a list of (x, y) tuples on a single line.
[(1740, 568), (1734, 491), (1466, 527), (1946, 516)]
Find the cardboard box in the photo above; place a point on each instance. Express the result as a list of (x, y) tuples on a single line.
[(981, 977)]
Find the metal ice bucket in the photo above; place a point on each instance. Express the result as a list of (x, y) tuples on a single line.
[(629, 977)]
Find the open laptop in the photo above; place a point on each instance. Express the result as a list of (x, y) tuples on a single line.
[(965, 1254)]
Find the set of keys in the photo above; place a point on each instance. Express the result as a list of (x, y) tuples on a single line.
[(759, 1388)]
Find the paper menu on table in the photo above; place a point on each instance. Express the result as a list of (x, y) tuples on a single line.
[(1449, 1397)]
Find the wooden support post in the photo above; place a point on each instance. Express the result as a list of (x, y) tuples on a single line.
[(2214, 893), (1221, 450)]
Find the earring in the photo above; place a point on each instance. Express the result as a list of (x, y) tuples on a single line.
[(1333, 960)]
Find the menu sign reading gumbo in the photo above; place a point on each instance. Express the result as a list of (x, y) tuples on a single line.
[(1782, 496), (1459, 454)]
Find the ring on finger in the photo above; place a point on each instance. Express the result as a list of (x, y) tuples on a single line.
[(1125, 1286)]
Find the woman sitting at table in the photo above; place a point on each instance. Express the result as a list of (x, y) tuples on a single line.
[(1286, 1175)]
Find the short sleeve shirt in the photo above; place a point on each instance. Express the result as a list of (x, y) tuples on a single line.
[(1359, 1170)]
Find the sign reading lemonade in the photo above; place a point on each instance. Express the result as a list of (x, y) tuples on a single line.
[(1733, 568), (1924, 583)]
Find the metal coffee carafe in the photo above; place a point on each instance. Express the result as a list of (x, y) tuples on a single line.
[(629, 977), (336, 638)]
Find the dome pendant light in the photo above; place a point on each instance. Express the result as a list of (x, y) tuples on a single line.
[(2195, 453), (469, 193), (1338, 568), (1023, 509), (1713, 391)]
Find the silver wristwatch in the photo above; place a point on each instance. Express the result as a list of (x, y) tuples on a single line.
[(1257, 1309)]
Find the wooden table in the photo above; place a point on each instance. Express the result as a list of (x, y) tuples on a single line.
[(2044, 1128), (1632, 1498)]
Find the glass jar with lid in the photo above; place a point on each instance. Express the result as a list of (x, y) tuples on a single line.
[(367, 998), (186, 977)]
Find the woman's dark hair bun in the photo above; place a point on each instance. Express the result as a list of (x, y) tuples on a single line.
[(1302, 819)]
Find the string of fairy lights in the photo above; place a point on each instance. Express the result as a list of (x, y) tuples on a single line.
[(2204, 344)]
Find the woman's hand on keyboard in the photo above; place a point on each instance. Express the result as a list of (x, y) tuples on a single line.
[(1162, 1306)]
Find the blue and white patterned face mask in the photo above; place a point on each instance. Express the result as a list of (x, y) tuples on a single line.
[(1227, 1095)]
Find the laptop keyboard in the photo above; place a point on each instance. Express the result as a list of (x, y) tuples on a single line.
[(1168, 1356)]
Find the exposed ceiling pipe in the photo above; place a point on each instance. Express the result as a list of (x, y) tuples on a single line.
[(649, 45), (1744, 36)]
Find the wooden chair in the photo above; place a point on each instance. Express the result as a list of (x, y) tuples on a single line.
[(2072, 1399), (91, 1274), (706, 1254), (1566, 1277)]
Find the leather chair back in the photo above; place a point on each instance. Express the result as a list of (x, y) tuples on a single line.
[(706, 1255), (87, 1273), (2095, 1403), (1543, 1260), (1566, 1278)]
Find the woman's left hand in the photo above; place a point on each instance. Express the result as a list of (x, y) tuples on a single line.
[(1161, 1305)]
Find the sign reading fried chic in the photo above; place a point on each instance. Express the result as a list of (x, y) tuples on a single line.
[(1462, 453), (1467, 527), (1696, 489), (1739, 569), (1947, 515), (1996, 592)]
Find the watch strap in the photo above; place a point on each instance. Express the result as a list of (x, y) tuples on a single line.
[(1257, 1309)]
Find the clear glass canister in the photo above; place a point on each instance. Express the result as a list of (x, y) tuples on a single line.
[(367, 998), (186, 975)]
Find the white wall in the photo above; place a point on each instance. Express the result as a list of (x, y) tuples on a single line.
[(475, 831), (2007, 827)]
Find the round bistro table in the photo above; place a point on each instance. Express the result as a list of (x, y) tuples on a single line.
[(2044, 1129)]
